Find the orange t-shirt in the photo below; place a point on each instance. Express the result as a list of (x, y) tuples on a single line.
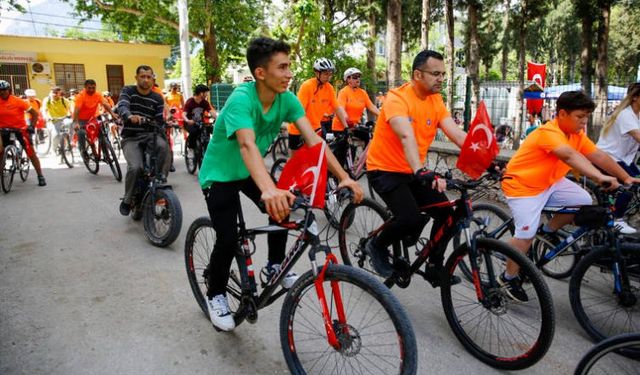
[(354, 101), (317, 102), (385, 150), (12, 113), (87, 104), (534, 167)]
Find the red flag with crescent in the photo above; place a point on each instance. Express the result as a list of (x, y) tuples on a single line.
[(306, 172), (536, 73), (480, 147)]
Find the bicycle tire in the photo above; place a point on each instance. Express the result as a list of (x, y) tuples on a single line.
[(90, 158), (627, 345), (280, 148), (190, 160), (497, 217), (66, 151), (43, 145), (335, 202), (9, 170), (472, 320), (162, 211), (24, 164), (600, 312), (373, 316), (112, 159), (276, 169), (357, 223), (562, 265)]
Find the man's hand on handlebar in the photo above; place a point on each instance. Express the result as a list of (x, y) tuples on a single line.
[(135, 119), (631, 181), (427, 177), (277, 203), (608, 183), (355, 187)]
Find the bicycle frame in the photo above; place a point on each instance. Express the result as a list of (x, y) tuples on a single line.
[(309, 237)]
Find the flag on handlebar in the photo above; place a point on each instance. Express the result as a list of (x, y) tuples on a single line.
[(306, 172), (480, 147)]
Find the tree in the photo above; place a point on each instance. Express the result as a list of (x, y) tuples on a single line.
[(506, 4), (424, 25), (394, 42), (223, 37), (450, 61), (604, 17), (585, 9), (10, 6), (624, 42)]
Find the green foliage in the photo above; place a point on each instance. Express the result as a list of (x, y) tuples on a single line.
[(624, 43), (198, 69)]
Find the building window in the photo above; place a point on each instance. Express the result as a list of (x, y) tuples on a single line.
[(16, 75), (69, 76), (115, 80)]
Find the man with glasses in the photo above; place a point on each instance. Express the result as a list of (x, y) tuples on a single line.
[(55, 108), (408, 123), (318, 99)]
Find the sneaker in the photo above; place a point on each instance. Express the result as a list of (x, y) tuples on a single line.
[(513, 288), (379, 259), (220, 313), (287, 282), (623, 227), (172, 168), (433, 273), (42, 181), (125, 208)]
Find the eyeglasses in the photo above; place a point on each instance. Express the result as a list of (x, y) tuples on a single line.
[(435, 74), (355, 77)]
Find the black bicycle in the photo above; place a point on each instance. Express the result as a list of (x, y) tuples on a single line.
[(98, 147), (493, 327), (153, 200), (605, 358), (334, 319), (193, 156), (14, 159), (64, 149)]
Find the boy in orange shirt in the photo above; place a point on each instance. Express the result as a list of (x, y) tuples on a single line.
[(408, 122), (535, 177), (318, 99)]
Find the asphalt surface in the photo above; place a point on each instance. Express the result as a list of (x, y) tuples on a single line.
[(83, 292)]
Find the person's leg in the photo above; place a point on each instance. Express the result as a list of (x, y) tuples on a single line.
[(135, 164), (162, 153), (82, 135), (27, 145), (526, 219), (55, 133), (223, 204), (426, 196), (565, 193)]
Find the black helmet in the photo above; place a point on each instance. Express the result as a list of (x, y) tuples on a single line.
[(4, 85)]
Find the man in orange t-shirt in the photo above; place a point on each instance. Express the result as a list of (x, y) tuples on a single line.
[(12, 116), (354, 100), (408, 122), (318, 98), (86, 107), (535, 178)]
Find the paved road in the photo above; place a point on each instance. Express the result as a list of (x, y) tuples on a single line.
[(82, 292)]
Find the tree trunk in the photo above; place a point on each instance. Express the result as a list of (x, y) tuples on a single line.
[(522, 40), (371, 55), (451, 59), (602, 63), (210, 45), (505, 37), (473, 68), (394, 42), (585, 55), (424, 25)]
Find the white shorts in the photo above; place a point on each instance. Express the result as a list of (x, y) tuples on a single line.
[(526, 210)]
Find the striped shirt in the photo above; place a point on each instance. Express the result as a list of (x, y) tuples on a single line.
[(131, 102)]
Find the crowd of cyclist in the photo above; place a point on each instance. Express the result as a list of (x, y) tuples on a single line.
[(406, 126)]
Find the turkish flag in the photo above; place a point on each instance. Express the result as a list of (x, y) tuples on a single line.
[(536, 73), (306, 172), (480, 147)]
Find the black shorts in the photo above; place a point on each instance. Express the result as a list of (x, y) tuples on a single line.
[(22, 135), (295, 141)]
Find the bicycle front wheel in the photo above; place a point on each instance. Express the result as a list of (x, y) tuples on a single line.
[(496, 329), (66, 152), (112, 159), (90, 157), (601, 359), (162, 217), (603, 304), (280, 148), (376, 337), (42, 141), (9, 161)]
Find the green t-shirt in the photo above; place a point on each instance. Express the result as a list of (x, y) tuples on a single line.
[(243, 110)]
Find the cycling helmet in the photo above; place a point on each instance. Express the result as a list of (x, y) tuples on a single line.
[(351, 71), (106, 93), (4, 85), (73, 91), (30, 92), (323, 64)]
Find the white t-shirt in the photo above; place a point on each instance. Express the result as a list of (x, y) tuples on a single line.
[(617, 142)]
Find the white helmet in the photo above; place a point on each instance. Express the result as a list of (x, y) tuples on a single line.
[(351, 71), (30, 92), (323, 64)]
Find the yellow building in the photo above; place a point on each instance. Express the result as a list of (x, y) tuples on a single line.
[(43, 62)]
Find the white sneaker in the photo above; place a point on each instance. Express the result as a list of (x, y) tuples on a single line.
[(220, 313), (623, 227), (288, 281)]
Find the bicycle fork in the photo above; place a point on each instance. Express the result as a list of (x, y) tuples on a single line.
[(332, 337)]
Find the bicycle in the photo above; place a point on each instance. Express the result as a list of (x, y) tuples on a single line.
[(351, 322), (602, 357), (98, 147), (494, 328), (41, 138), (193, 157), (14, 159), (153, 200), (280, 146), (65, 149)]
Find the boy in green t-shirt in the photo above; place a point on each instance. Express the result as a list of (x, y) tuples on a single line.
[(233, 163)]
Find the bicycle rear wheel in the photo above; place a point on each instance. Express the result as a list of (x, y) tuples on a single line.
[(9, 161), (66, 151), (162, 217), (497, 330), (112, 159), (280, 148), (602, 358), (377, 337), (276, 169), (190, 160), (335, 202), (603, 308), (90, 157)]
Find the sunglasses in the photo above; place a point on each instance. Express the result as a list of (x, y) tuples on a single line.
[(355, 77)]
